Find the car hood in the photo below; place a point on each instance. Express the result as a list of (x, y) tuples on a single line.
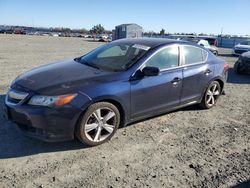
[(61, 77), (242, 46), (245, 56)]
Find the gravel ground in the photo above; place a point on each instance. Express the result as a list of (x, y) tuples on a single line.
[(186, 148)]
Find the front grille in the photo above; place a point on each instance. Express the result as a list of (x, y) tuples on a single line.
[(16, 97)]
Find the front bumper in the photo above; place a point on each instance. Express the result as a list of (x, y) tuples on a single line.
[(44, 123)]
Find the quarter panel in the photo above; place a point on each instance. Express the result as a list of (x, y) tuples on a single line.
[(194, 81)]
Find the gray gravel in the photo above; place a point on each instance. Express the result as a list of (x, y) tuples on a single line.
[(186, 148)]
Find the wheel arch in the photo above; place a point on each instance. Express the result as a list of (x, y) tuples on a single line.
[(218, 79), (119, 106), (113, 101), (221, 84)]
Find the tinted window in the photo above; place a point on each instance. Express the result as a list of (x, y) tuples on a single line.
[(166, 58), (193, 55)]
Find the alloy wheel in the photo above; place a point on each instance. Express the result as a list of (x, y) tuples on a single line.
[(100, 124), (213, 93)]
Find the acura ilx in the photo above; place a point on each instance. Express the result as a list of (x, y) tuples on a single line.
[(118, 83)]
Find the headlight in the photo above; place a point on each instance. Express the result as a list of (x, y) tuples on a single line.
[(40, 100)]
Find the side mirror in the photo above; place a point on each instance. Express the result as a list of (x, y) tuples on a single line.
[(150, 71)]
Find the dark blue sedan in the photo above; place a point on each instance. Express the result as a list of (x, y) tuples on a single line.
[(113, 85)]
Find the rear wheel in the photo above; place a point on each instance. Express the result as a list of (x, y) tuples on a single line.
[(211, 95), (99, 123), (216, 53)]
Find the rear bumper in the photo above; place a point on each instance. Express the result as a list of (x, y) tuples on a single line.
[(47, 124)]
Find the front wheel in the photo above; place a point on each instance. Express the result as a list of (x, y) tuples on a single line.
[(99, 123), (211, 95)]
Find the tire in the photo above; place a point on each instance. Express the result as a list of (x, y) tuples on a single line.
[(98, 124), (211, 95)]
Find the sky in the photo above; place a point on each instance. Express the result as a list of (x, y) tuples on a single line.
[(189, 16)]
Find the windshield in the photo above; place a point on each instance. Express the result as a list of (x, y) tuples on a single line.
[(114, 56)]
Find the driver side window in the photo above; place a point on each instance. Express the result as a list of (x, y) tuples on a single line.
[(165, 58)]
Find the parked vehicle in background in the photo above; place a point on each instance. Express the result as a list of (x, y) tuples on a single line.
[(213, 41), (203, 43), (19, 31), (6, 31), (116, 84), (242, 65), (104, 38), (241, 48), (206, 44)]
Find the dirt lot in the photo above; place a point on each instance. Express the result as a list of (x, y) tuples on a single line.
[(186, 148)]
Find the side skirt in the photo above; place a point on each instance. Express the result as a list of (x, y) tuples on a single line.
[(157, 113)]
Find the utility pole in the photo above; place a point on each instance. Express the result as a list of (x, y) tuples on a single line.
[(221, 31)]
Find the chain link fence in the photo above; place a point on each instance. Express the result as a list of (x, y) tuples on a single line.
[(230, 42)]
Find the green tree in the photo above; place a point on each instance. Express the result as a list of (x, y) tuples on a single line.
[(97, 29), (162, 32)]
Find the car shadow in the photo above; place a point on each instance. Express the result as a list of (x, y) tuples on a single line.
[(14, 144), (237, 78), (95, 40), (245, 184), (226, 55), (194, 107)]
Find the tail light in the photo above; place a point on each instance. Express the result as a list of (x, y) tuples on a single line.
[(226, 66)]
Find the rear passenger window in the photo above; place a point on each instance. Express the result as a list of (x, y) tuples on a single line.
[(193, 55)]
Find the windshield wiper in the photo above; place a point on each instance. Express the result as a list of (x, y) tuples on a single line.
[(90, 64), (78, 59)]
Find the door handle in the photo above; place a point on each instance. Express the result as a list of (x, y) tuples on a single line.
[(176, 80), (207, 72)]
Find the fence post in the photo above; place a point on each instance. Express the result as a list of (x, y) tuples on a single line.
[(234, 41), (221, 41)]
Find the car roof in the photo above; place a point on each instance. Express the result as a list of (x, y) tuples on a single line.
[(151, 42)]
